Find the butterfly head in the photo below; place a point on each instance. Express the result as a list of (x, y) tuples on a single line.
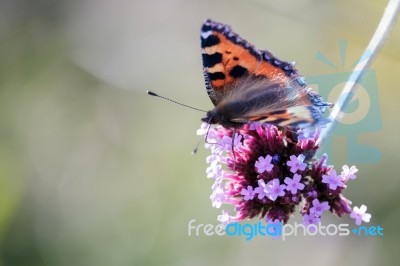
[(217, 117)]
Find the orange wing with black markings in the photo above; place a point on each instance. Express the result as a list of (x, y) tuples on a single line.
[(246, 84), (227, 58)]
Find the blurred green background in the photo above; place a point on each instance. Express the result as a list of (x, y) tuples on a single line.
[(95, 172)]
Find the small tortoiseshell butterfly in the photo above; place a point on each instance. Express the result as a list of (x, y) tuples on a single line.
[(246, 84)]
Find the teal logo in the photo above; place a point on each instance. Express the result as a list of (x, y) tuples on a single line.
[(368, 231), (362, 115)]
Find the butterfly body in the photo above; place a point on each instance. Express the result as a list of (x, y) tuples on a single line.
[(246, 84)]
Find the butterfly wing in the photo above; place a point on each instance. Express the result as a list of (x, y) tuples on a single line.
[(298, 116), (269, 101), (227, 58), (246, 84)]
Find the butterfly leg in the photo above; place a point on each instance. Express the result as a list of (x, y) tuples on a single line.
[(208, 130), (205, 140), (233, 148)]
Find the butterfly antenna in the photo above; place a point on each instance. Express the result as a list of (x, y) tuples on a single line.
[(165, 98), (197, 146)]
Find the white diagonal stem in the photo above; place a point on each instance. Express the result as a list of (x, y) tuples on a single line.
[(380, 36)]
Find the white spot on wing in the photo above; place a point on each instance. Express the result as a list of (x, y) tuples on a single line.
[(205, 35)]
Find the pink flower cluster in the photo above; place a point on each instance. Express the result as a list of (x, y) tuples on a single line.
[(267, 172)]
